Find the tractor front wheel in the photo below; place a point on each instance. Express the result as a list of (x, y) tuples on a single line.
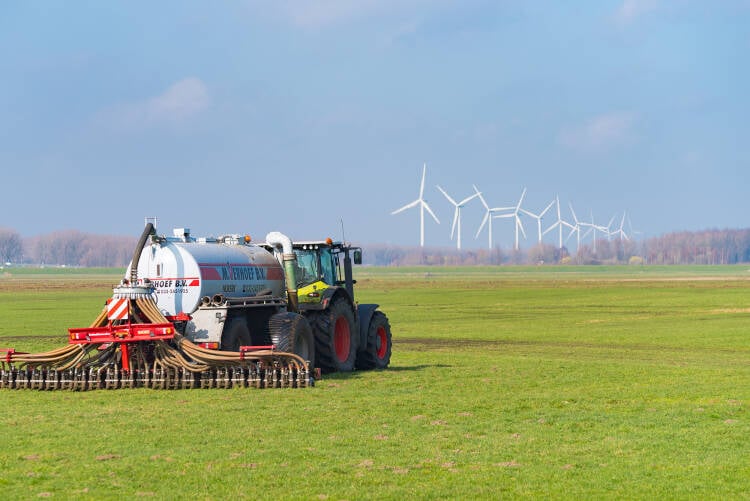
[(377, 353)]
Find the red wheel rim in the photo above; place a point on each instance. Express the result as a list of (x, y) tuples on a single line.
[(341, 339), (382, 342)]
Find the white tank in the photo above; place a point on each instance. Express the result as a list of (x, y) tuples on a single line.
[(183, 271)]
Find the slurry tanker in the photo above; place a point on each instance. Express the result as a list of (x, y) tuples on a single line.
[(217, 313)]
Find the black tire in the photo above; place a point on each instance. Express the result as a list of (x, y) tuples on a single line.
[(291, 332), (377, 353), (236, 333), (336, 340)]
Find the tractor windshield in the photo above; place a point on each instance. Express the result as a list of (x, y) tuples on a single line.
[(314, 265), (308, 269)]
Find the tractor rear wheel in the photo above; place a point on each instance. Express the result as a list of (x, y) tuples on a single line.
[(336, 340), (291, 332), (377, 353), (236, 333)]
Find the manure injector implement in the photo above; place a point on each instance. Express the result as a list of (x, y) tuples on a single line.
[(217, 313)]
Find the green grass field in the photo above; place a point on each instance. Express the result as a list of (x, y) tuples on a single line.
[(548, 382)]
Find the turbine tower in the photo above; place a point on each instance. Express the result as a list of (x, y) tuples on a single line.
[(576, 228), (488, 216), (457, 213), (422, 206), (539, 217), (514, 214)]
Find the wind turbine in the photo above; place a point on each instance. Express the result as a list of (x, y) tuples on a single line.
[(539, 217), (457, 213), (620, 231), (608, 231), (488, 216), (575, 228), (632, 231), (514, 214), (593, 228), (422, 206), (558, 224)]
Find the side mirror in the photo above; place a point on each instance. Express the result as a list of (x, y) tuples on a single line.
[(357, 256)]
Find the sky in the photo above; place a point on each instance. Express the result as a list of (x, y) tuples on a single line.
[(308, 116)]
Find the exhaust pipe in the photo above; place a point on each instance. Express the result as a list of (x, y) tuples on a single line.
[(289, 260)]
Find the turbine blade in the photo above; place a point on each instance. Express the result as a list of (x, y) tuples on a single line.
[(446, 195), (421, 186), (520, 225), (455, 219), (552, 227), (407, 206), (572, 230), (463, 202), (484, 221), (424, 204), (547, 208), (574, 212), (520, 200), (481, 198)]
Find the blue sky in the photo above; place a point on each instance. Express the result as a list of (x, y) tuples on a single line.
[(234, 117)]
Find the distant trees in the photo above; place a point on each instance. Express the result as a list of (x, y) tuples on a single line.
[(11, 247), (702, 247), (69, 248), (74, 248)]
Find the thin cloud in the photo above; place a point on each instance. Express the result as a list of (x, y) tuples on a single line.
[(180, 102), (314, 14), (600, 133), (630, 10)]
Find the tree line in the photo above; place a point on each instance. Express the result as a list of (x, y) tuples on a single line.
[(74, 248), (66, 248), (697, 247)]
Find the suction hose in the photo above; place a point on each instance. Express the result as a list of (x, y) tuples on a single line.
[(147, 231), (289, 259)]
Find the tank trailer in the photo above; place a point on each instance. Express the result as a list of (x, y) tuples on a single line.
[(217, 313)]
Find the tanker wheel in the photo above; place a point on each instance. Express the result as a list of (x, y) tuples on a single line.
[(377, 353), (291, 332), (336, 340), (236, 333)]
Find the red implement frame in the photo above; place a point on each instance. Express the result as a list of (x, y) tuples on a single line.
[(123, 334)]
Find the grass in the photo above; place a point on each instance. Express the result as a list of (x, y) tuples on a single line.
[(510, 383)]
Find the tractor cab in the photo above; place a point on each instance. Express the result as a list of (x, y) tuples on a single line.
[(324, 264)]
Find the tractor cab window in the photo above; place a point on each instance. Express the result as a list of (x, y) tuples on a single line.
[(314, 265), (308, 270), (327, 267)]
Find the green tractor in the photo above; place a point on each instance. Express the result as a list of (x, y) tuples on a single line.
[(347, 335)]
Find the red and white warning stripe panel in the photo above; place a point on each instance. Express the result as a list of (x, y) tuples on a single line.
[(117, 309)]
